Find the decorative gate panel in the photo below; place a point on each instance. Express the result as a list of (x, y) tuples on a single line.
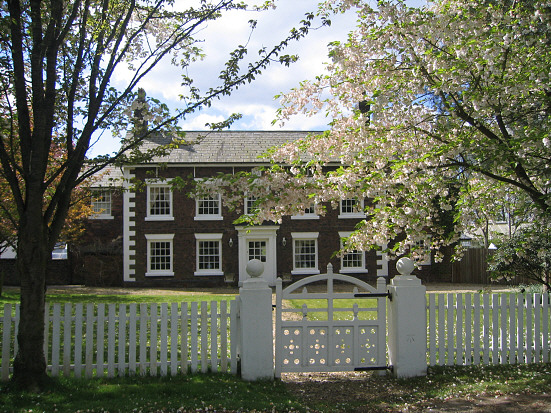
[(330, 331)]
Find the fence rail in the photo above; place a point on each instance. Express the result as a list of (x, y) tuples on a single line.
[(119, 339), (464, 329)]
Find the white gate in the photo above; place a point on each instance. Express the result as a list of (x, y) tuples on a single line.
[(346, 333)]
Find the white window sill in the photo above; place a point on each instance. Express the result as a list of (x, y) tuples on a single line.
[(353, 271), (208, 218), (354, 216), (305, 271), (208, 273), (100, 216), (159, 274), (159, 218), (305, 217)]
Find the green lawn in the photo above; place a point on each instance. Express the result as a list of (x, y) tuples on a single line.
[(12, 296), (223, 392)]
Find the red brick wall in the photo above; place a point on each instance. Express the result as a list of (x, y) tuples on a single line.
[(184, 228)]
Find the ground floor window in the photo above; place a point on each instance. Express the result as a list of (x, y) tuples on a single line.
[(353, 261), (305, 252), (209, 254), (159, 255)]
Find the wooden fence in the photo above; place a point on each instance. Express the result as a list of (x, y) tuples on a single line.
[(466, 329), (473, 269), (108, 339)]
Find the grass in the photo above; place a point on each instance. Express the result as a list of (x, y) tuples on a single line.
[(150, 394), (208, 392), (12, 297)]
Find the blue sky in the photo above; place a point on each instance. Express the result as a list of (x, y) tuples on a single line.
[(254, 101)]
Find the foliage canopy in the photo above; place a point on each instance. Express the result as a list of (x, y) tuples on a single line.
[(437, 111)]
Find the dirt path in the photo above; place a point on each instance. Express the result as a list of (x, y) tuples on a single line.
[(372, 393)]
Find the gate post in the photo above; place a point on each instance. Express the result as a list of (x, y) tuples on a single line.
[(257, 349), (407, 323)]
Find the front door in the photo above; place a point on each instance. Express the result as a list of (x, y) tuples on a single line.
[(258, 243)]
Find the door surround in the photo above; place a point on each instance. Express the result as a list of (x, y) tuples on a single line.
[(268, 233)]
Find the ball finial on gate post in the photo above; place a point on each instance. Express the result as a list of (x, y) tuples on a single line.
[(255, 268), (405, 266)]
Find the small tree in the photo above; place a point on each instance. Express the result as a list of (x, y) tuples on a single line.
[(526, 254)]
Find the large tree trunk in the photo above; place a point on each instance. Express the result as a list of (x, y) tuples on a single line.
[(29, 369)]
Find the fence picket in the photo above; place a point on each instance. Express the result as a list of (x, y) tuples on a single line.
[(111, 338), (132, 330), (89, 348), (476, 329), (164, 340), (56, 335), (468, 329), (67, 329), (204, 338), (449, 326), (153, 340), (529, 328), (537, 327), (143, 339), (503, 329), (173, 339), (184, 341), (441, 330), (512, 329), (431, 322), (223, 336), (194, 350), (495, 328), (78, 340), (100, 339), (520, 328), (486, 329), (459, 330), (121, 336), (213, 335)]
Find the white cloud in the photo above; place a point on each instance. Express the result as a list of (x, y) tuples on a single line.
[(256, 100)]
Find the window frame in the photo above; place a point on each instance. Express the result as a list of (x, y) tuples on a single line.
[(208, 217), (159, 217), (152, 238), (247, 207), (307, 215), (210, 271), (305, 236), (106, 213), (354, 214), (351, 270)]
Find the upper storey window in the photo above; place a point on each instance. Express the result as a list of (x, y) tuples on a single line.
[(159, 202), (208, 208), (101, 204), (351, 208)]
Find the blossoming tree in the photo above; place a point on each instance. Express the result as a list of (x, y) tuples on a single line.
[(437, 112)]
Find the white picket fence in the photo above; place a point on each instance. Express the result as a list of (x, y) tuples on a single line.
[(464, 329), (125, 339), (96, 340)]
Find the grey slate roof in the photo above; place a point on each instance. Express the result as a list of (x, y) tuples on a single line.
[(225, 147)]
